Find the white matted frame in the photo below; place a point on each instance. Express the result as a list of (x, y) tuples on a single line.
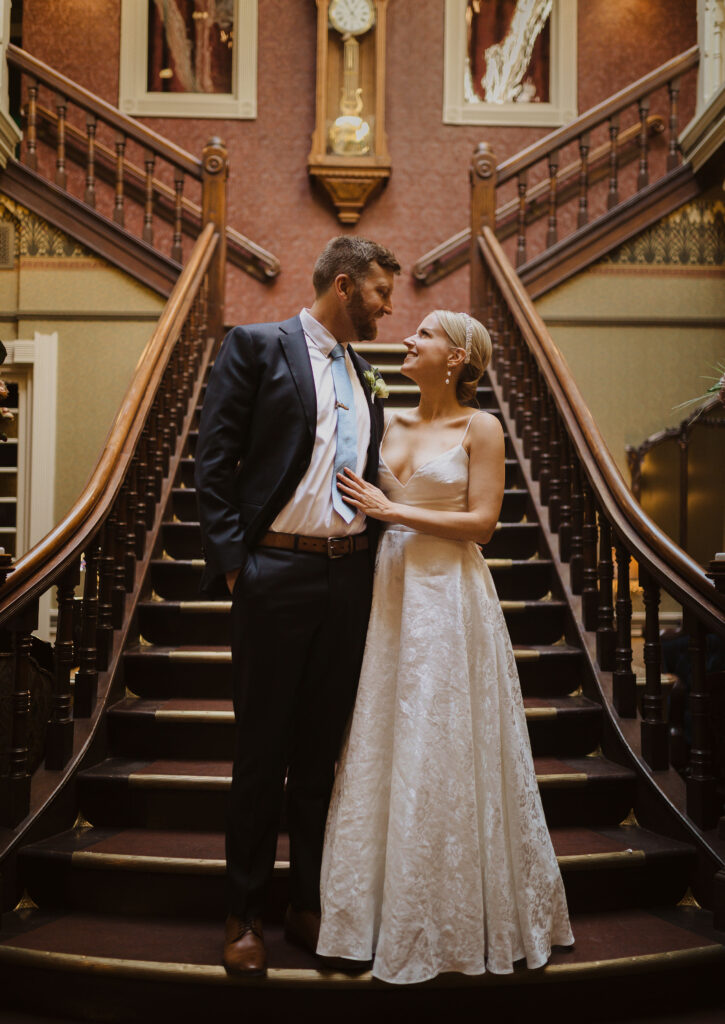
[(562, 107), (134, 97)]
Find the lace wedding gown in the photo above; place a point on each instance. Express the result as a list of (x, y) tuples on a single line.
[(437, 856)]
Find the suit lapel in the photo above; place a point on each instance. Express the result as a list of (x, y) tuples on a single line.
[(294, 346)]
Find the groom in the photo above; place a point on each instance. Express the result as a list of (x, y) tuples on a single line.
[(287, 406)]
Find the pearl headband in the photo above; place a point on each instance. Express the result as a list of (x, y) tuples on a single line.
[(469, 335)]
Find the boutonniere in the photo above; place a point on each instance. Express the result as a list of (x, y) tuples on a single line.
[(376, 384)]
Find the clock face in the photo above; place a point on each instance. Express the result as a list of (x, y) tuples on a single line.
[(352, 16)]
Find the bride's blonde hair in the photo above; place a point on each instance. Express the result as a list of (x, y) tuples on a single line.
[(469, 334)]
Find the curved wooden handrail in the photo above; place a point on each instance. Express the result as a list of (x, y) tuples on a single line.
[(601, 112), (453, 252), (670, 565), (68, 539), (133, 129)]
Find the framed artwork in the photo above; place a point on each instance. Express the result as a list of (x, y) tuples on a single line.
[(189, 58), (510, 62)]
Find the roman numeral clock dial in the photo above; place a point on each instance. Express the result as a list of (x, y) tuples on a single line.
[(349, 155)]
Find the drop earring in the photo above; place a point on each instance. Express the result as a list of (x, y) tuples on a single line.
[(448, 376)]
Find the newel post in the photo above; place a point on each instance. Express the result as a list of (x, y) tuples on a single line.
[(215, 169), (483, 212)]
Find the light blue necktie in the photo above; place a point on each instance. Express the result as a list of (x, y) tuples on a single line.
[(346, 452)]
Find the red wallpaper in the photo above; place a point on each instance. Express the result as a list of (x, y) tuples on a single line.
[(270, 196)]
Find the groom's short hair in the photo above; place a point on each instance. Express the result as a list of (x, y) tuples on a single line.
[(348, 254)]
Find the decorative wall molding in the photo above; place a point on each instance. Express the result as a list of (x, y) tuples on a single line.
[(37, 239), (36, 360), (563, 75), (133, 97), (692, 236)]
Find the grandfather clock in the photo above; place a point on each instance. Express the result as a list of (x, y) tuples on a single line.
[(349, 155)]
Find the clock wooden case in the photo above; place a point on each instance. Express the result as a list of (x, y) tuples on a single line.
[(349, 155)]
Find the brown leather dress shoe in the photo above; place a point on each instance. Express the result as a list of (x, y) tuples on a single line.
[(302, 928), (244, 951)]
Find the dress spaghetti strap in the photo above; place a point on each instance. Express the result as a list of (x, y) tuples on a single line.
[(390, 420), (465, 432)]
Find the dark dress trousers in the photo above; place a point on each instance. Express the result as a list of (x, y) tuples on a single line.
[(298, 619)]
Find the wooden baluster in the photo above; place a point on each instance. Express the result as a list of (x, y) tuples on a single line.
[(31, 127), (522, 395), (90, 194), (544, 472), (148, 213), (86, 681), (555, 475), (583, 214), (613, 194), (535, 435), (576, 561), (59, 745), (132, 552), (565, 523), (643, 173), (169, 418), (551, 234), (118, 207), (146, 495), (517, 372), (653, 725), (702, 800), (104, 630), (176, 250), (605, 617), (624, 682), (673, 158), (158, 445), (590, 574), (505, 376), (521, 238), (118, 598), (61, 177), (527, 415), (16, 802)]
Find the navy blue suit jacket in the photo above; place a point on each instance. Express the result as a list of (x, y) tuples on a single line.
[(256, 438)]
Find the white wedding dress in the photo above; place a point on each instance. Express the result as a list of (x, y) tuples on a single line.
[(437, 856)]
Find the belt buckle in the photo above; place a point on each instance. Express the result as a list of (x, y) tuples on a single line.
[(335, 552)]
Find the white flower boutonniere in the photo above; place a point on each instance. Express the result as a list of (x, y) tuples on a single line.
[(374, 380)]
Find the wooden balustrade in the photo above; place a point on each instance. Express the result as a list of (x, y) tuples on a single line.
[(70, 122), (575, 182), (594, 518), (110, 531)]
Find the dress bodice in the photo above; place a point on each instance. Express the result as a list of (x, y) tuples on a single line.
[(441, 483)]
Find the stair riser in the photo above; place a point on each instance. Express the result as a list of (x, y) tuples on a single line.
[(141, 736), (180, 581), (158, 678), (54, 882), (516, 540), (105, 804), (167, 625)]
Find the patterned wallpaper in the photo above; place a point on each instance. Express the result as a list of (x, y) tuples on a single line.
[(693, 236)]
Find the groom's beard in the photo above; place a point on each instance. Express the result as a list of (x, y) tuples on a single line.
[(363, 319)]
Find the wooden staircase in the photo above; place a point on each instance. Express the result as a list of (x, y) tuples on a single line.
[(122, 914)]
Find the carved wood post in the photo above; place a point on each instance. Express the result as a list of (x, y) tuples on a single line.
[(86, 682), (215, 170), (483, 212), (16, 802), (590, 575), (653, 726), (624, 683), (605, 623), (702, 804), (60, 727)]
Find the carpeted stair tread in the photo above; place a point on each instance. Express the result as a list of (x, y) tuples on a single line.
[(599, 938)]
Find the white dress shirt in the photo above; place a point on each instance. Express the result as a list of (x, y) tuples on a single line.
[(309, 512)]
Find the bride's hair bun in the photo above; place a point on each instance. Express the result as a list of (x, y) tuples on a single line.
[(469, 334)]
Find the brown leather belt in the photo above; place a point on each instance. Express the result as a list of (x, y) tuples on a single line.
[(333, 547)]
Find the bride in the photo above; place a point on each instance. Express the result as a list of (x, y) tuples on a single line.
[(437, 856)]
